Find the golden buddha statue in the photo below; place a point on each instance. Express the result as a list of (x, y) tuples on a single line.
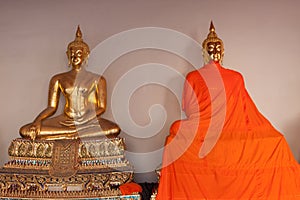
[(85, 95), (51, 160), (213, 47)]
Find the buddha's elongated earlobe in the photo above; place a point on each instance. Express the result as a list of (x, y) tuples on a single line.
[(69, 58)]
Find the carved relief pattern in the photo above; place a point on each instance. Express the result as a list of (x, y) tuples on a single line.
[(92, 154), (101, 167)]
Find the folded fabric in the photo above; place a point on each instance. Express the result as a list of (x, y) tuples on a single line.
[(130, 188)]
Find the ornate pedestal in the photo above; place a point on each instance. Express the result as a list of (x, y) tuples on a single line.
[(66, 169)]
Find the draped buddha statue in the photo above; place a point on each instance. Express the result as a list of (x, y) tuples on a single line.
[(85, 102), (225, 147)]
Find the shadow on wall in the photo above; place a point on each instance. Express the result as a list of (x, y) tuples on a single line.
[(291, 133)]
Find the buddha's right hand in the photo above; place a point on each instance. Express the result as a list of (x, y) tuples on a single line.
[(34, 130)]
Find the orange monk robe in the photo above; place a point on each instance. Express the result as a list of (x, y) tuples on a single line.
[(225, 149)]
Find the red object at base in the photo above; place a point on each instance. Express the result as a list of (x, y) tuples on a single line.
[(130, 188)]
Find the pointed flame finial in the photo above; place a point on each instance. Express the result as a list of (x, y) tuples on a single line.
[(212, 27), (78, 34)]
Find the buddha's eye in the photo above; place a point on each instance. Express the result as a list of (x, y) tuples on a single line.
[(211, 47), (79, 53)]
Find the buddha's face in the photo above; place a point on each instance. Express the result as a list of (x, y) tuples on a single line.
[(215, 51), (76, 56)]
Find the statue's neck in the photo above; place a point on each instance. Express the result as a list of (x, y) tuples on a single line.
[(78, 69)]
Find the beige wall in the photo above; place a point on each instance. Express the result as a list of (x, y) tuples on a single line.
[(261, 41)]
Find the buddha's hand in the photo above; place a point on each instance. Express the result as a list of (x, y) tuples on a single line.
[(76, 121), (34, 130), (72, 122), (68, 123), (80, 121)]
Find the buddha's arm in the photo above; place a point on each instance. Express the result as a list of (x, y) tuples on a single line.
[(101, 96), (53, 98)]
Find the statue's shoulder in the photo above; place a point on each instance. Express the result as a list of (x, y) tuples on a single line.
[(95, 76), (59, 76), (234, 73), (195, 74)]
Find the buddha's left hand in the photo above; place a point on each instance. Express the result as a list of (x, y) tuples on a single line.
[(76, 122)]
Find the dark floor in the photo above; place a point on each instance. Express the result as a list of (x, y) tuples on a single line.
[(148, 189)]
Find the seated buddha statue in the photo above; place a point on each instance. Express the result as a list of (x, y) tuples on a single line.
[(85, 102), (225, 148)]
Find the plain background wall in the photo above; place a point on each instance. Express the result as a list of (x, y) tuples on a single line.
[(261, 38)]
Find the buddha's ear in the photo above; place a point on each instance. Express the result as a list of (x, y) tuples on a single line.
[(69, 60), (222, 56), (206, 56), (87, 56), (86, 60)]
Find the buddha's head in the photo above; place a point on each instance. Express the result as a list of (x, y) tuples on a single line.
[(78, 51), (213, 48)]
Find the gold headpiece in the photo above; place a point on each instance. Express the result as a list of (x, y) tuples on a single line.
[(212, 37), (78, 42), (212, 41)]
